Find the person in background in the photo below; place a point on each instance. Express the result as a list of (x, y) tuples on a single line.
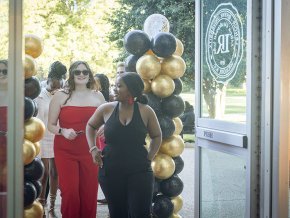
[(120, 68), (188, 118), (43, 83), (53, 83), (126, 175), (3, 135), (104, 83), (69, 111)]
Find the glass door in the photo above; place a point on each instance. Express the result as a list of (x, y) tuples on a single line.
[(4, 29), (227, 81)]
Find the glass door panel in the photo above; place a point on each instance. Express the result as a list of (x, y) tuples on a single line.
[(223, 60), (223, 185), (4, 28)]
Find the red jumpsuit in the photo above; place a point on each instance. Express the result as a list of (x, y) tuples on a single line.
[(77, 173)]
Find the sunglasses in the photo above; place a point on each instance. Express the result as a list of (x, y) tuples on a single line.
[(78, 72), (4, 72)]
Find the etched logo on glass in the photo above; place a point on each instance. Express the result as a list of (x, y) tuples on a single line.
[(224, 42)]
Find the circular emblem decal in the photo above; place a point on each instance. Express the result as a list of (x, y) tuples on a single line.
[(224, 42)]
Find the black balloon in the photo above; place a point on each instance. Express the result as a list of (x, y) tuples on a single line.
[(167, 126), (137, 42), (38, 187), (29, 108), (179, 164), (172, 186), (32, 87), (34, 170), (154, 102), (178, 86), (36, 108), (156, 188), (30, 193), (130, 63), (163, 44), (173, 106), (162, 207)]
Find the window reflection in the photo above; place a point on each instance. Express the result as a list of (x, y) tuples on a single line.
[(3, 132), (4, 8)]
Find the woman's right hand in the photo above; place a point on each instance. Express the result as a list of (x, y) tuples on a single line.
[(97, 157), (69, 134)]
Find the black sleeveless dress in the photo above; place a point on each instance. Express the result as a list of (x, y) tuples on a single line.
[(126, 177), (125, 149)]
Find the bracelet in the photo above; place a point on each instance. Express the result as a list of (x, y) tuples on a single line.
[(92, 148)]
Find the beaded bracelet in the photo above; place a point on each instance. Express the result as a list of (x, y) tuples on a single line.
[(92, 148)]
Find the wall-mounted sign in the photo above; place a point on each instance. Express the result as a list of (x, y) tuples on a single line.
[(224, 42)]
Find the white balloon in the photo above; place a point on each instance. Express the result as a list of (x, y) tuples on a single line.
[(155, 24)]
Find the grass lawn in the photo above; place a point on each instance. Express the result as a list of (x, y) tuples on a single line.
[(189, 137)]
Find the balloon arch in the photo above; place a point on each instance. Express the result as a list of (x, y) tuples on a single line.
[(155, 54)]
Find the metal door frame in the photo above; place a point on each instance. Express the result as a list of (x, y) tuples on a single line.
[(15, 112), (251, 129)]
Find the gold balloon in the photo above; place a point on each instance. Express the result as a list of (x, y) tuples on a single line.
[(179, 48), (163, 166), (37, 148), (29, 152), (33, 45), (173, 66), (178, 125), (147, 86), (163, 86), (29, 67), (35, 210), (177, 203), (175, 215), (148, 66), (150, 52), (172, 146), (34, 129)]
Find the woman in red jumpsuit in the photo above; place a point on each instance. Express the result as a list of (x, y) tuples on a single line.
[(69, 111)]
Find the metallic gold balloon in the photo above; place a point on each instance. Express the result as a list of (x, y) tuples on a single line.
[(175, 215), (33, 45), (177, 203), (162, 86), (178, 125), (147, 140), (34, 129), (148, 66), (172, 146), (29, 152), (163, 166), (147, 86), (179, 48), (37, 148), (173, 66), (150, 52), (35, 210), (29, 67)]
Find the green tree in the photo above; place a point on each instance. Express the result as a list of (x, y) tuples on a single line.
[(71, 30), (181, 16)]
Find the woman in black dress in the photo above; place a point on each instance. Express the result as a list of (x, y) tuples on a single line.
[(125, 172)]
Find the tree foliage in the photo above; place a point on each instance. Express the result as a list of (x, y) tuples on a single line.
[(71, 30), (181, 16)]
